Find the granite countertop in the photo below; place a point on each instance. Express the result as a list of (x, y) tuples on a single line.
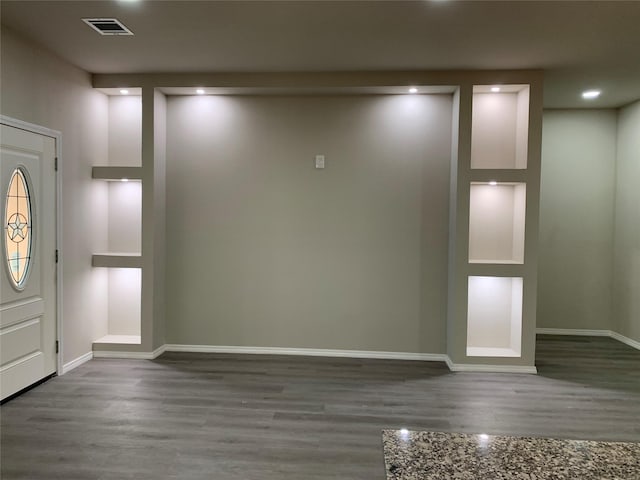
[(413, 455)]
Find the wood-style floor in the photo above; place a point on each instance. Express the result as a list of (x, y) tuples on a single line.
[(232, 417)]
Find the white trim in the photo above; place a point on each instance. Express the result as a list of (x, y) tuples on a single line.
[(30, 127), (571, 331), (317, 352), (67, 367), (478, 367), (121, 339), (590, 333), (130, 355), (311, 352), (159, 351), (626, 340), (57, 136)]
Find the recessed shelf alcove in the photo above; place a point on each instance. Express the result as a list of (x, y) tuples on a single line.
[(500, 127), (494, 316), (121, 208), (497, 222)]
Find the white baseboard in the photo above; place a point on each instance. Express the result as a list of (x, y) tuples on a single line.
[(573, 331), (314, 352), (159, 351), (130, 355), (629, 341), (589, 333), (310, 352), (67, 367), (478, 367)]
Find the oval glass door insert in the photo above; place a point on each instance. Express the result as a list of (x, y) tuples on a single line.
[(18, 233)]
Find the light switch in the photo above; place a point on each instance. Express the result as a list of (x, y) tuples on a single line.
[(319, 161)]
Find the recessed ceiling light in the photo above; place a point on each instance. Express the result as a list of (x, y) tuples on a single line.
[(591, 94), (495, 89), (493, 183), (124, 91), (200, 91), (413, 90)]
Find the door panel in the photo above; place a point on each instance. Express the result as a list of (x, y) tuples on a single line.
[(27, 310), (19, 340)]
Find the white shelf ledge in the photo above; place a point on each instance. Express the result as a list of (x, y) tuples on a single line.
[(117, 173), (491, 352), (495, 262), (505, 176), (117, 260), (123, 339)]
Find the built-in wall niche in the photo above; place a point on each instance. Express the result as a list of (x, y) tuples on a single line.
[(123, 261), (494, 316), (122, 211), (497, 222), (124, 220), (124, 306), (500, 126)]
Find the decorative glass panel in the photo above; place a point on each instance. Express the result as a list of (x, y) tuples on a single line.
[(18, 234)]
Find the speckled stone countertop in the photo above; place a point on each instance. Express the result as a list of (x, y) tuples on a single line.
[(412, 455)]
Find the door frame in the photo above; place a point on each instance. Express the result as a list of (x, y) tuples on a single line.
[(57, 136)]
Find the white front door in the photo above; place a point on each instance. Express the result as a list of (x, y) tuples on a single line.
[(28, 251)]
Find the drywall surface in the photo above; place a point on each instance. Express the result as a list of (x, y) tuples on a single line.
[(626, 271), (263, 249), (576, 219), (124, 301), (125, 130), (39, 88), (159, 217)]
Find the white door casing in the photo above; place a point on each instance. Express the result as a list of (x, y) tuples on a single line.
[(28, 313)]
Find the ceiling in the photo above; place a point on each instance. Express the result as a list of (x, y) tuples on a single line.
[(580, 45)]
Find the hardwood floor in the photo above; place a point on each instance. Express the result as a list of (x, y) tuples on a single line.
[(228, 417)]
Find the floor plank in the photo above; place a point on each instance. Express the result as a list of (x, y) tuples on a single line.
[(228, 417)]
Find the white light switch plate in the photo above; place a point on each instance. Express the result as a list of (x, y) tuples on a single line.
[(319, 161)]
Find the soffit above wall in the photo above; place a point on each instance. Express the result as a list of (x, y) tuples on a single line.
[(580, 45)]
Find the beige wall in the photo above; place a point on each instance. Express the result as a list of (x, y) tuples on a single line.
[(626, 273), (577, 219), (265, 250), (38, 87)]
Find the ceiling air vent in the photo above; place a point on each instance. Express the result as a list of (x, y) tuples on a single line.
[(107, 26)]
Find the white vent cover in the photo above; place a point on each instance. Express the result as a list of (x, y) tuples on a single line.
[(107, 26)]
